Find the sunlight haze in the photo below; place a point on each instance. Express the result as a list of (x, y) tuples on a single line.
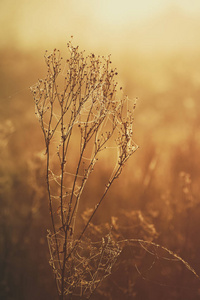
[(114, 51), (96, 23)]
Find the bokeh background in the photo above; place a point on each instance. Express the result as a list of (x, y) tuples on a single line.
[(155, 46)]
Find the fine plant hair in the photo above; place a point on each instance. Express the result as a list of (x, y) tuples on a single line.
[(81, 118)]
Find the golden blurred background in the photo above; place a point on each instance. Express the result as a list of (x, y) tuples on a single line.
[(155, 46)]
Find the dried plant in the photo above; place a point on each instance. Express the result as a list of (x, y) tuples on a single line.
[(81, 118)]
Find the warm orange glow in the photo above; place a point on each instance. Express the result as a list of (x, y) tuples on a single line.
[(97, 23), (155, 47)]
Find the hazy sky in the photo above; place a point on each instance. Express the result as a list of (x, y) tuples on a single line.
[(122, 11), (35, 23)]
